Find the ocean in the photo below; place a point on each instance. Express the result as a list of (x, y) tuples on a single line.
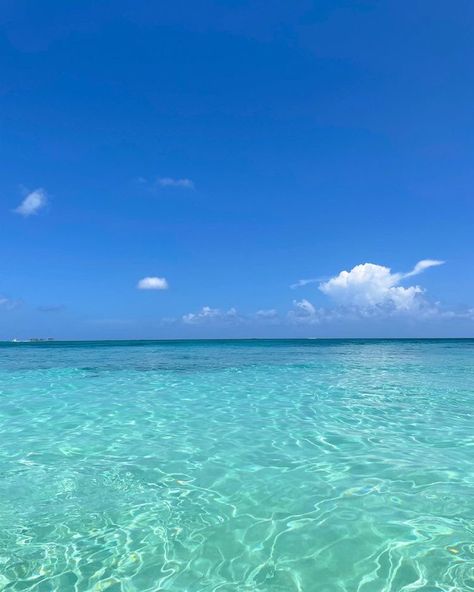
[(237, 466)]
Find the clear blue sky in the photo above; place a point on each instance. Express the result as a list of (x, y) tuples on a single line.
[(233, 149)]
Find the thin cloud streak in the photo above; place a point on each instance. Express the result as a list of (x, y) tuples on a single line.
[(421, 266), (170, 182), (305, 282)]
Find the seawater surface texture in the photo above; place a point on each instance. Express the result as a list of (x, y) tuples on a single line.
[(323, 466)]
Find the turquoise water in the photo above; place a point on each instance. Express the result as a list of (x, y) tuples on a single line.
[(323, 466)]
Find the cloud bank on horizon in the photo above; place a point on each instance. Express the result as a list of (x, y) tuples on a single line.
[(210, 314), (368, 290)]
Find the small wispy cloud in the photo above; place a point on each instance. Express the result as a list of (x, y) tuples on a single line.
[(170, 182), (229, 317), (266, 313), (8, 303), (165, 182), (303, 312), (33, 202), (208, 314), (153, 283), (421, 266), (304, 282), (51, 308)]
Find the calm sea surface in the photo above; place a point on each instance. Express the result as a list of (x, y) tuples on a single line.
[(237, 466)]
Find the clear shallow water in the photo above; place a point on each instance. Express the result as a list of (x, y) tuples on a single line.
[(237, 466)]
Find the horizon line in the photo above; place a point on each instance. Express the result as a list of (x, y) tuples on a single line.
[(221, 339)]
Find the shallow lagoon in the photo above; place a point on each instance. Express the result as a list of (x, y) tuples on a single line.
[(324, 466)]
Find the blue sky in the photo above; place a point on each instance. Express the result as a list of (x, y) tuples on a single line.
[(228, 150)]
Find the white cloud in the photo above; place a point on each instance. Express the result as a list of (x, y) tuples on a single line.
[(305, 307), (156, 184), (33, 202), (303, 312), (170, 182), (208, 314), (230, 316), (152, 283), (269, 313), (8, 304), (371, 287), (304, 282), (421, 266)]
